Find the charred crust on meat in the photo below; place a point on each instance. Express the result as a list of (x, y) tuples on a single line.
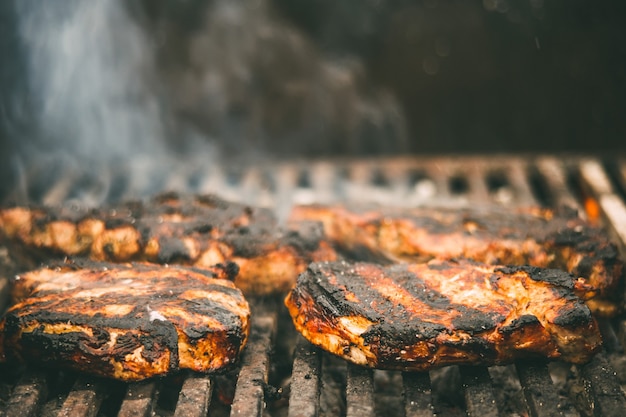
[(243, 245), (176, 228), (573, 315), (414, 317), (133, 329), (231, 269), (476, 321), (172, 250), (401, 332), (520, 323), (496, 235), (551, 276)]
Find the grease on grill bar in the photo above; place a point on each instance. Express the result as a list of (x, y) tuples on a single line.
[(320, 384)]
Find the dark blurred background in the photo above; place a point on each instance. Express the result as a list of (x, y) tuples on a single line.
[(311, 77), (491, 75)]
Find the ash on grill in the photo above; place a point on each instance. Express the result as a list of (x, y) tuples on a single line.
[(283, 375)]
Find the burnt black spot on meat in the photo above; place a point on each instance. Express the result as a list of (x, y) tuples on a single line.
[(316, 285), (364, 253), (109, 250), (162, 333), (125, 343), (231, 269), (474, 346), (243, 246), (416, 286), (607, 251), (519, 323), (302, 243), (584, 267), (172, 250), (402, 332), (551, 276), (573, 315), (195, 333), (474, 321), (212, 309)]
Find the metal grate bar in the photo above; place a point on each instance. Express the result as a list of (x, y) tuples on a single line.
[(480, 399), (359, 392), (478, 189), (249, 394), (332, 386), (610, 340), (83, 400), (139, 400), (417, 394), (594, 177), (602, 383), (612, 206), (540, 393), (194, 397), (600, 379), (305, 378), (27, 396), (552, 172)]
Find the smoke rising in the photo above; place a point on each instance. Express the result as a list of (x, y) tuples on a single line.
[(89, 67), (132, 89)]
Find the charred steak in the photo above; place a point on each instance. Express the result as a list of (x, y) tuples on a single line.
[(495, 235), (174, 229), (421, 316), (126, 321)]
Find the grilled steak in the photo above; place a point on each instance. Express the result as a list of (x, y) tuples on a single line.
[(170, 228), (126, 321), (495, 235), (421, 316)]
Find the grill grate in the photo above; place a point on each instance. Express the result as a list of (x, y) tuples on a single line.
[(321, 385)]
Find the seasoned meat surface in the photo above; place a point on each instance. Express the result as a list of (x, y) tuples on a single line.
[(534, 236), (174, 229), (126, 321), (421, 316)]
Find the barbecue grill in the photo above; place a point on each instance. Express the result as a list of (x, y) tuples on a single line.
[(283, 375)]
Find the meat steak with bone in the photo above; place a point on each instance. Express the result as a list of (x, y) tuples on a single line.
[(170, 228), (422, 316), (492, 234), (126, 321)]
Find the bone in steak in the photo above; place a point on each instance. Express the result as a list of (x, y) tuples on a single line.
[(126, 321), (491, 234), (171, 228), (421, 316)]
